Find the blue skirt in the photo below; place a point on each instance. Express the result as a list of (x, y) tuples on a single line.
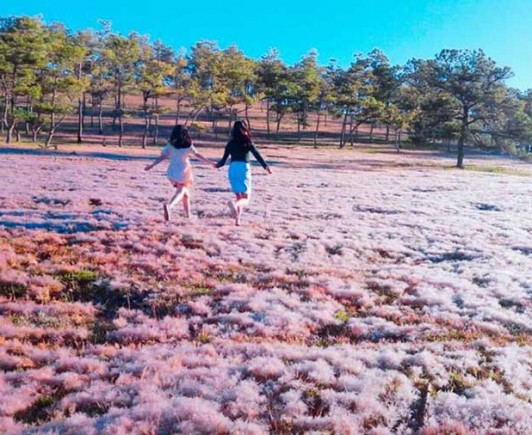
[(240, 177)]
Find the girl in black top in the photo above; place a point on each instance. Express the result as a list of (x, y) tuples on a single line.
[(238, 148)]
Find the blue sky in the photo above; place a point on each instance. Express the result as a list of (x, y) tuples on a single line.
[(403, 29)]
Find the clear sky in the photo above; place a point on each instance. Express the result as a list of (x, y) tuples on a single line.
[(403, 29)]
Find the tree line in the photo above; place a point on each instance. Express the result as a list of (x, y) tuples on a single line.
[(48, 72)]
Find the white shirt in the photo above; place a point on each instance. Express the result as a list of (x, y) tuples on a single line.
[(179, 169)]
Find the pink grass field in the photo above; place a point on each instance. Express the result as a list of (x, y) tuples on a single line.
[(366, 292)]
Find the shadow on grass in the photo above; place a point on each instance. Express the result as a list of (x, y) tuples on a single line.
[(63, 227), (61, 153), (105, 155), (59, 222)]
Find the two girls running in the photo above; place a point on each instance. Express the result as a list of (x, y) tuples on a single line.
[(179, 173)]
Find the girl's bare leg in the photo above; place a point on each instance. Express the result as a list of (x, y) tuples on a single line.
[(232, 208), (242, 201), (186, 203), (180, 192)]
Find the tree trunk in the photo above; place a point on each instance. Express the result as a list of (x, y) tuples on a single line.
[(268, 117), (115, 114), (83, 109), (93, 109), (120, 131), (214, 127), (10, 129), (397, 141), (49, 139), (29, 109), (371, 133), (178, 109), (52, 132), (387, 133), (100, 115), (247, 117), (80, 120), (52, 122), (194, 115), (461, 141), (11, 122), (317, 130), (146, 120), (120, 120), (35, 132), (344, 127), (351, 130), (460, 155), (277, 128), (5, 114), (156, 130)]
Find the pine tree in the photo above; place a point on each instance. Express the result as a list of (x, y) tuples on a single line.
[(23, 48)]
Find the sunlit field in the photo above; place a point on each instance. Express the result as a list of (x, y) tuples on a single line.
[(365, 292)]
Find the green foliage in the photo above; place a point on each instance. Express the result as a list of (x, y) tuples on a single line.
[(205, 66), (201, 290), (459, 95), (79, 286), (496, 170), (342, 316), (458, 383), (468, 83), (204, 337), (238, 76), (38, 412), (155, 69), (99, 331), (79, 276), (12, 290)]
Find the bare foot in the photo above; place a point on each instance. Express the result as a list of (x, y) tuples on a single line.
[(232, 208)]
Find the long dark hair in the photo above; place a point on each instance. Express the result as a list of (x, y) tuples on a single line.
[(240, 133), (180, 138)]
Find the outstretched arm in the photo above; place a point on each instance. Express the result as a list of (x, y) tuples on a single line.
[(224, 158), (260, 159), (156, 162), (204, 159)]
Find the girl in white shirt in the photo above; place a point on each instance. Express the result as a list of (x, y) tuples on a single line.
[(179, 172)]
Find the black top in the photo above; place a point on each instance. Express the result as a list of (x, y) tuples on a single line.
[(240, 153)]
